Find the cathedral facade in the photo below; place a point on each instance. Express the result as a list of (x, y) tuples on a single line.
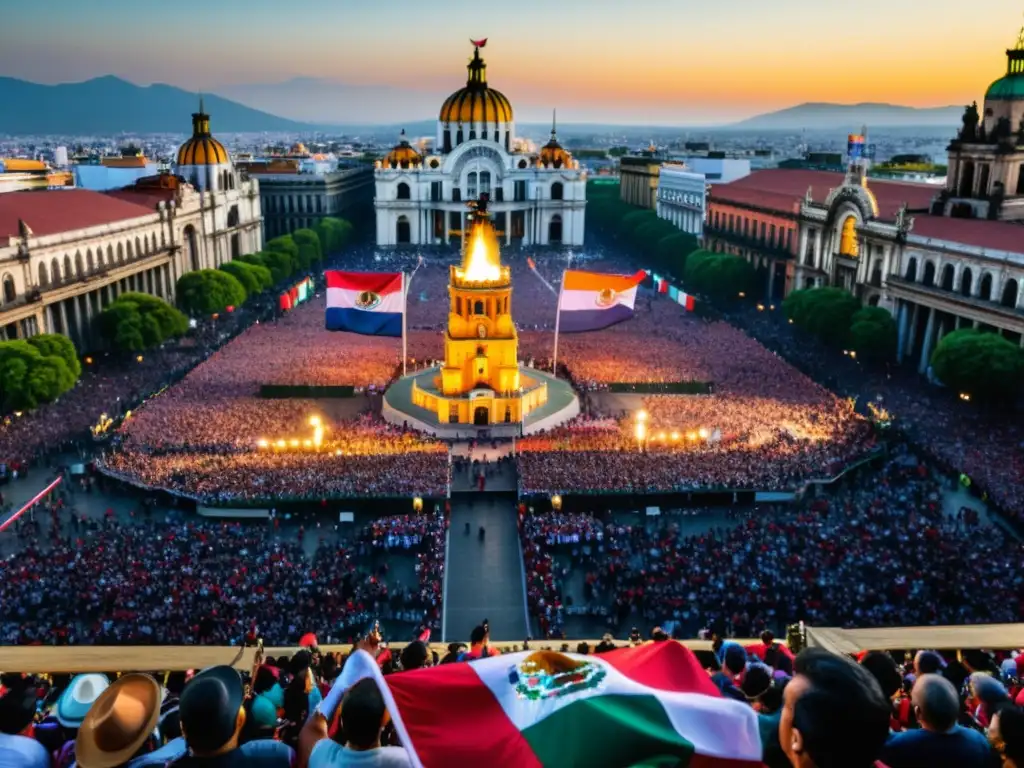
[(537, 198)]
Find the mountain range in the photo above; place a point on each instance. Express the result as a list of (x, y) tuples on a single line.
[(110, 105)]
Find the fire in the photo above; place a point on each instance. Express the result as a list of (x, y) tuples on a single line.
[(481, 262)]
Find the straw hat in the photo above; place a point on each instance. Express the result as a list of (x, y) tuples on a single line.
[(119, 722)]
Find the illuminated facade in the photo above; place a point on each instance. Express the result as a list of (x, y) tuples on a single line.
[(536, 198), (480, 382)]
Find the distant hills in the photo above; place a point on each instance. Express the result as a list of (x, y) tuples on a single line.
[(850, 117), (109, 105)]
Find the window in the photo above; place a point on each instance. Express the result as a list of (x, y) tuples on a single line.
[(436, 191), (403, 191), (1020, 180), (44, 277), (520, 190), (472, 183), (458, 305), (478, 308), (911, 273), (456, 195), (557, 191), (485, 182), (10, 293), (499, 194)]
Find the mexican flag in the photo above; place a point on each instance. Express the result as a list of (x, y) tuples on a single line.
[(651, 706)]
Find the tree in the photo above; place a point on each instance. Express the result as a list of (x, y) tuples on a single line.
[(334, 234), (720, 276), (984, 365), (206, 291), (61, 346), (255, 278), (873, 335), (670, 252), (310, 252), (285, 244), (138, 321), (278, 262), (825, 312), (29, 377)]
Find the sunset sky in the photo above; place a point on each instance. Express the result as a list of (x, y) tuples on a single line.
[(641, 61)]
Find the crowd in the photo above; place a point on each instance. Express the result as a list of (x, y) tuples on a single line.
[(876, 553), (317, 709), (106, 582)]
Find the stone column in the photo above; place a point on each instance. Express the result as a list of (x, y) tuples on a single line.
[(912, 339), (62, 309), (928, 342)]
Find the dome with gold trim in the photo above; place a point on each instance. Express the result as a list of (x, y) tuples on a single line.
[(402, 155), (202, 148), (476, 102), (552, 154)]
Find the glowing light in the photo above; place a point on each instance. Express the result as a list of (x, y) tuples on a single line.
[(294, 442), (743, 295), (641, 416), (963, 396), (790, 321), (703, 432), (88, 360), (760, 307), (307, 443), (314, 421), (853, 354), (556, 502), (641, 431), (18, 414), (675, 435), (338, 452), (417, 504), (771, 307), (138, 359), (263, 442), (691, 436), (481, 264), (661, 435), (281, 443)]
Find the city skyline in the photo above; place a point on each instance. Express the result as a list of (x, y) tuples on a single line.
[(645, 62)]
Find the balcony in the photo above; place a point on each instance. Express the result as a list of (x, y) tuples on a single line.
[(969, 307)]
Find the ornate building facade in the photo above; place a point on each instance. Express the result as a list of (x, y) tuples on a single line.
[(537, 198), (66, 254), (937, 261), (682, 197)]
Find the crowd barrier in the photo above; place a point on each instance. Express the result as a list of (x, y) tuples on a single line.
[(79, 659)]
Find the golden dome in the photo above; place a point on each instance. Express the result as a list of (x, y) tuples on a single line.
[(476, 103), (402, 155), (552, 153), (202, 148)]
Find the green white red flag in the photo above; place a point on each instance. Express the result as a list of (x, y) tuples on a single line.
[(652, 705)]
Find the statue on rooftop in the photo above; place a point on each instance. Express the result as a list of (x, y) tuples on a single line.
[(971, 118)]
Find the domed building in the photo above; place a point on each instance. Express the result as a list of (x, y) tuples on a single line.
[(227, 206), (537, 198), (986, 160)]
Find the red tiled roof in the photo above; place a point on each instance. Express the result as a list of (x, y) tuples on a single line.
[(147, 197), (780, 188), (48, 212), (994, 235)]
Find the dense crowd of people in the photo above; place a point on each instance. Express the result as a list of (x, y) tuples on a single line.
[(876, 553), (318, 709), (77, 580)]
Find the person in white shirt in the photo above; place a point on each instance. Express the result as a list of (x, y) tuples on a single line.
[(363, 717)]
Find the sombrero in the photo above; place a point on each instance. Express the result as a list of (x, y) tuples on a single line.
[(78, 697), (120, 721)]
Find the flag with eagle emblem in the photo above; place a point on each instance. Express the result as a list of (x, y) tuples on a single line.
[(647, 705), (590, 301), (370, 303)]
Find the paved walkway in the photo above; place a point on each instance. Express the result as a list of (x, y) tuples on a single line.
[(484, 578)]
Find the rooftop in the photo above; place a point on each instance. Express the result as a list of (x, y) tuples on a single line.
[(991, 235), (49, 212)]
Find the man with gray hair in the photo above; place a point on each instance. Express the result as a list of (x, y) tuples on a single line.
[(939, 742)]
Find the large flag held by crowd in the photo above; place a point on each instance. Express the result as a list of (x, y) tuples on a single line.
[(590, 301), (647, 705), (370, 303)]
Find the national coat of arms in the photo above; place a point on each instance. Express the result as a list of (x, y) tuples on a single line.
[(549, 675)]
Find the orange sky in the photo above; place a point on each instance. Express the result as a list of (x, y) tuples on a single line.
[(609, 60)]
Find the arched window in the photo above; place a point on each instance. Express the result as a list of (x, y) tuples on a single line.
[(967, 179), (1010, 290), (986, 287), (138, 246), (233, 216), (403, 231), (89, 264), (849, 245), (472, 189), (478, 308), (44, 276), (403, 192), (191, 249), (79, 268), (130, 250), (68, 271), (876, 273), (522, 164), (557, 191), (55, 272), (120, 253), (966, 278), (947, 277), (555, 229), (485, 182), (911, 269), (929, 273), (10, 294)]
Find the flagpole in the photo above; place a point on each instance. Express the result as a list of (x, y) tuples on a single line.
[(405, 305), (558, 322)]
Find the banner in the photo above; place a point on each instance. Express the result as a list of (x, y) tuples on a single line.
[(370, 303)]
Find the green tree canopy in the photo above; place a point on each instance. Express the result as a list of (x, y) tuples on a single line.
[(334, 234), (30, 377), (310, 252), (206, 291), (61, 346), (984, 365), (670, 253), (137, 321), (873, 335), (825, 312), (285, 244), (255, 278), (720, 276)]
